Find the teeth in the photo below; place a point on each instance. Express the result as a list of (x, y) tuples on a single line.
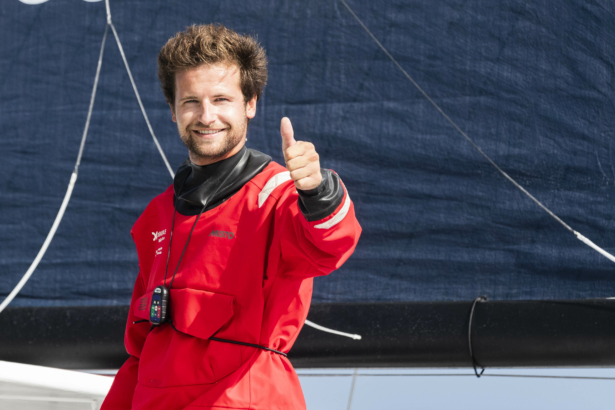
[(207, 131)]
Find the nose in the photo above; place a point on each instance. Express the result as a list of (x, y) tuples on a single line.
[(208, 113)]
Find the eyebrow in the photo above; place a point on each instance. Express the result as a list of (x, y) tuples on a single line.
[(193, 97)]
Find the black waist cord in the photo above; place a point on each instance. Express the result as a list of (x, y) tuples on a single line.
[(217, 339), (140, 321)]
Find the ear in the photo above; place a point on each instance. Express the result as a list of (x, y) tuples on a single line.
[(251, 108), (173, 113)]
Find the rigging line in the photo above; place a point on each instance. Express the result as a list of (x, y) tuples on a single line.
[(335, 332), (474, 362), (69, 191), (87, 121), (354, 381), (451, 375), (134, 87), (437, 107)]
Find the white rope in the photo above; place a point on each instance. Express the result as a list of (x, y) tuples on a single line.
[(594, 246), (69, 191), (515, 183), (92, 98), (134, 87), (108, 9), (43, 249), (335, 332)]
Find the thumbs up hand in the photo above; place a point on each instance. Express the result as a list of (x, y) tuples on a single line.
[(301, 158)]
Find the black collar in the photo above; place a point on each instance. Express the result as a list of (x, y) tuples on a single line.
[(195, 184)]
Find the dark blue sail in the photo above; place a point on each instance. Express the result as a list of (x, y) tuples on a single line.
[(530, 83)]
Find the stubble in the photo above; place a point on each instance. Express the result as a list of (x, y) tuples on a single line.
[(211, 152)]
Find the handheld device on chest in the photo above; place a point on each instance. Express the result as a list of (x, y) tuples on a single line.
[(158, 307)]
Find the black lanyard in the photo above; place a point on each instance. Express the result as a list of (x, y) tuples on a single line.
[(193, 226)]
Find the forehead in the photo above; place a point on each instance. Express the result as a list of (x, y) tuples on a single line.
[(208, 78)]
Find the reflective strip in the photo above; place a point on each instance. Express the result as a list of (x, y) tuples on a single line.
[(272, 184), (337, 218)]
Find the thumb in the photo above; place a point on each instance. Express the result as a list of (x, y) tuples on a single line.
[(288, 136)]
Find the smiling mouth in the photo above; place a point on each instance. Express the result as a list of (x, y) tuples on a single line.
[(208, 132)]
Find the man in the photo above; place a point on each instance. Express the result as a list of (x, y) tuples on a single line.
[(236, 240)]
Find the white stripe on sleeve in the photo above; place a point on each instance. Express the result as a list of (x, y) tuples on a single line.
[(337, 218)]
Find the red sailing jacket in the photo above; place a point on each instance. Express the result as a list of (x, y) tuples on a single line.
[(245, 276)]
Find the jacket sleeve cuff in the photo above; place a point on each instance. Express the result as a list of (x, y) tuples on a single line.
[(320, 202)]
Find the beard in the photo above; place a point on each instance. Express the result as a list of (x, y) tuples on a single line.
[(209, 150)]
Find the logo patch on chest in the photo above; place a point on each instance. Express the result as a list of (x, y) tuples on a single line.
[(159, 236), (222, 234)]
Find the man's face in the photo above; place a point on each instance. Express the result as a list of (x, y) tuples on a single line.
[(210, 112)]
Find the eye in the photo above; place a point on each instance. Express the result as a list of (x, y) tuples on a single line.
[(221, 99)]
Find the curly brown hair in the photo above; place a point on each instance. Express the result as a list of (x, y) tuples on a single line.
[(211, 44)]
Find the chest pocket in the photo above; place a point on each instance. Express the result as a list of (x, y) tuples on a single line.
[(186, 356), (200, 313), (196, 312)]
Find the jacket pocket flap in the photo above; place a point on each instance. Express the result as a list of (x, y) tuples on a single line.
[(142, 305), (200, 313)]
